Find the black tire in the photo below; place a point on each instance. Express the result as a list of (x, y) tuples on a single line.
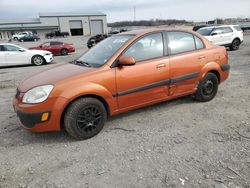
[(64, 51), (15, 38), (85, 118), (235, 45), (38, 60), (207, 88)]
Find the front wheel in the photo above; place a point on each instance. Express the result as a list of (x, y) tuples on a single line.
[(37, 60), (235, 44), (64, 52), (85, 118), (207, 88)]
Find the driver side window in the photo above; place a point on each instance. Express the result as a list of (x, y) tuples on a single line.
[(148, 47), (11, 48), (47, 44)]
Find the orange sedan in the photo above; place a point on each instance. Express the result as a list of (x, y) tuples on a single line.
[(124, 72)]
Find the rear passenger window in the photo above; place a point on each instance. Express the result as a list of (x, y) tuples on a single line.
[(226, 30), (180, 42), (148, 47), (55, 43), (238, 28), (198, 42)]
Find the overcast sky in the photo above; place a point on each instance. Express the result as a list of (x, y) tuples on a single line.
[(118, 10)]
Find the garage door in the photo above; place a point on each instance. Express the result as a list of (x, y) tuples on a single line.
[(76, 27), (96, 27)]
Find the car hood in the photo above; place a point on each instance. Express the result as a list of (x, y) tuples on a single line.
[(53, 75), (34, 51)]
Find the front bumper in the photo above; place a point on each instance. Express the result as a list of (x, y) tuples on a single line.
[(49, 58), (29, 120), (32, 115)]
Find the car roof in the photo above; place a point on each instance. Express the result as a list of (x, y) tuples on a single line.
[(9, 44), (218, 26), (151, 30)]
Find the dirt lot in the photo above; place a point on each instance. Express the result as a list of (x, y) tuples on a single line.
[(181, 143)]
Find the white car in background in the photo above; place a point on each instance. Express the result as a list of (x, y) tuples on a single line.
[(11, 54), (20, 35), (223, 35)]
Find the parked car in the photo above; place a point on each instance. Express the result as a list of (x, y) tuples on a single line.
[(114, 32), (197, 27), (56, 34), (123, 72), (224, 35), (29, 37), (20, 35), (56, 47), (11, 54), (95, 39)]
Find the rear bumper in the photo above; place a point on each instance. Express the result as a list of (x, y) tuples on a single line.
[(225, 67)]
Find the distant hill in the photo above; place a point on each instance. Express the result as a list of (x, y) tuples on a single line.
[(156, 22)]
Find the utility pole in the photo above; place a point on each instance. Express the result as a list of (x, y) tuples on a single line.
[(134, 13)]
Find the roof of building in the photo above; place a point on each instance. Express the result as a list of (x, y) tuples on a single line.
[(6, 21), (70, 14)]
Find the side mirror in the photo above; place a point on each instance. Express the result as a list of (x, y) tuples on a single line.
[(126, 61), (21, 50), (214, 34)]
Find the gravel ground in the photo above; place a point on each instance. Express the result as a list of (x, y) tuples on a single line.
[(181, 143)]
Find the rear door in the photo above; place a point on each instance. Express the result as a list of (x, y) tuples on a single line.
[(227, 35), (187, 57), (146, 81)]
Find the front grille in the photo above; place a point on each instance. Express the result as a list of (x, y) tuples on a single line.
[(17, 93)]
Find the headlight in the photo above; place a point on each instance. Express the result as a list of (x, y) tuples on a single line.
[(37, 94)]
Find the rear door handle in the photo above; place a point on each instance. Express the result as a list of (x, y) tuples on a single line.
[(161, 65), (201, 57)]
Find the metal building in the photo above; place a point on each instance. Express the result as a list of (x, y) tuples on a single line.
[(90, 23)]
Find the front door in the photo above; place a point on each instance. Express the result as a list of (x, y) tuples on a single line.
[(216, 36), (146, 81), (14, 55)]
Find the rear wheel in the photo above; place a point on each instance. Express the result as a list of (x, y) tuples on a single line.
[(85, 118), (15, 38), (38, 60), (235, 44), (207, 88), (64, 52)]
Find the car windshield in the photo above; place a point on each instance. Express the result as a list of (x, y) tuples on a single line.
[(103, 51), (205, 31)]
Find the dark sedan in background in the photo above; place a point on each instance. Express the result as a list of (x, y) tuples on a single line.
[(95, 39), (29, 37)]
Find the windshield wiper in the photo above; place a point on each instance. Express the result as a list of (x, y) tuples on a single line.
[(82, 63)]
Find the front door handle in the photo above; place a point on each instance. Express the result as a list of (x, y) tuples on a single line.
[(161, 65), (201, 57)]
